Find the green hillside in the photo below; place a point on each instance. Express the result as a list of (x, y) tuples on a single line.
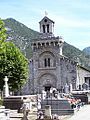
[(77, 55), (22, 37)]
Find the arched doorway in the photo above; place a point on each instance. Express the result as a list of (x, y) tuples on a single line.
[(46, 81), (47, 87)]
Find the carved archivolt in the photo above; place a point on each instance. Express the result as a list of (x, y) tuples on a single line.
[(47, 79)]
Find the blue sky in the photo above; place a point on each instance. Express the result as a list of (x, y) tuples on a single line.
[(71, 17)]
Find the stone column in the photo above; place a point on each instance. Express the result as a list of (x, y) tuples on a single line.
[(6, 87)]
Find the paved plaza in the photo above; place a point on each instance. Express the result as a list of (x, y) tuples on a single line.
[(82, 114)]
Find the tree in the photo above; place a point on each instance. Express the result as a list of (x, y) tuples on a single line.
[(12, 62), (2, 32)]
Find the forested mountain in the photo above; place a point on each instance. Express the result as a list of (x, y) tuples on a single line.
[(22, 36)]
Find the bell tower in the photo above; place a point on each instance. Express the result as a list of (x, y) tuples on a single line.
[(46, 26), (47, 50)]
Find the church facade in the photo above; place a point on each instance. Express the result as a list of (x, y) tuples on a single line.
[(48, 67)]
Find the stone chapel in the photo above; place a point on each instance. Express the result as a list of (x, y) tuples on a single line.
[(48, 66)]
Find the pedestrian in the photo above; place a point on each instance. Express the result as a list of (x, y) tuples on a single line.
[(72, 105), (25, 112), (78, 106)]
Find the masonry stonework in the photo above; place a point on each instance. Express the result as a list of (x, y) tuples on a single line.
[(48, 66)]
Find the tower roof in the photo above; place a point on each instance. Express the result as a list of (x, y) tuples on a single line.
[(47, 19)]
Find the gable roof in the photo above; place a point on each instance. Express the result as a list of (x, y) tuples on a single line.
[(47, 19), (84, 68)]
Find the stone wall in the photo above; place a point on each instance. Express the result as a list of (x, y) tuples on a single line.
[(64, 72), (68, 72), (82, 74)]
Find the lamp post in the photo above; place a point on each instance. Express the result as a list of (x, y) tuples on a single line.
[(6, 87)]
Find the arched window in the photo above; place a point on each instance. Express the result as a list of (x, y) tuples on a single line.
[(47, 62), (47, 59), (43, 28), (47, 28)]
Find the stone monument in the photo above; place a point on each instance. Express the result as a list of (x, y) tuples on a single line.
[(6, 86), (66, 89)]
